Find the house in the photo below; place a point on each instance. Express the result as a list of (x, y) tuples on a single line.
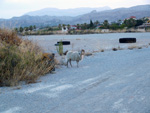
[(133, 17), (105, 30), (73, 27), (99, 26), (64, 29), (144, 25), (148, 19)]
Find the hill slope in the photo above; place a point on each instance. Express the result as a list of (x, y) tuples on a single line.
[(116, 14), (65, 12), (110, 15)]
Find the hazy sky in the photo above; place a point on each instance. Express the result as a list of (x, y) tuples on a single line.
[(10, 8)]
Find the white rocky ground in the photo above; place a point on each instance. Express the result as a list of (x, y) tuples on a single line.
[(107, 82), (92, 42)]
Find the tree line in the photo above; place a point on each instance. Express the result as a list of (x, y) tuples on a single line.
[(21, 29), (127, 23)]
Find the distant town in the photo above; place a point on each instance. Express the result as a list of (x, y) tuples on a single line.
[(131, 24)]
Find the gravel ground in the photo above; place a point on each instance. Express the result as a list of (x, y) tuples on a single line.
[(92, 42), (107, 82)]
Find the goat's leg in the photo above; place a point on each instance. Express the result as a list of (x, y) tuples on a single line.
[(70, 62), (77, 63), (67, 63)]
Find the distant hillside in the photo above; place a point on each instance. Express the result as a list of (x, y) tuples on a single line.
[(116, 14), (39, 21), (110, 15), (65, 12)]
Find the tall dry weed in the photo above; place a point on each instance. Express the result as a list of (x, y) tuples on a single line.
[(20, 60)]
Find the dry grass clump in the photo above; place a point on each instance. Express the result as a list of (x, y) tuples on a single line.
[(10, 37), (20, 60), (88, 54), (102, 50), (114, 49), (139, 47), (119, 48), (78, 39), (132, 47)]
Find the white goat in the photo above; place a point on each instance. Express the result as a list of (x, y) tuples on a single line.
[(74, 56)]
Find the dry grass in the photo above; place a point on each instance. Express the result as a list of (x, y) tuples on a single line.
[(146, 46), (132, 47), (88, 54), (119, 48), (139, 47), (102, 50), (114, 49), (78, 39), (20, 60), (10, 37)]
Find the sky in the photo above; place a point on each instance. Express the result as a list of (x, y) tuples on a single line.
[(14, 8)]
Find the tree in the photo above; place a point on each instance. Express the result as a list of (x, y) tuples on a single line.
[(78, 26), (114, 26), (64, 26), (16, 29), (119, 22), (21, 29), (96, 22), (91, 24), (59, 26), (145, 19), (84, 26), (34, 27), (130, 22), (68, 26), (105, 24), (122, 26), (50, 29), (31, 28), (139, 22), (26, 28)]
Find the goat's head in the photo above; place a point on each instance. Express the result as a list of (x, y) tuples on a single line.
[(82, 52)]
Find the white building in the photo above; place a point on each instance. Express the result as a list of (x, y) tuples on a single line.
[(65, 29)]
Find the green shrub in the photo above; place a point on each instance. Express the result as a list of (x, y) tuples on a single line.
[(60, 48)]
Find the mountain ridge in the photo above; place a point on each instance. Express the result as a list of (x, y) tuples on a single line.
[(65, 12), (110, 15)]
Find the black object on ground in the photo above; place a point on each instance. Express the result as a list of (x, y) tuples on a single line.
[(64, 42), (127, 40)]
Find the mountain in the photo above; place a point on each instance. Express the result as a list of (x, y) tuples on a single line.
[(116, 14), (39, 21), (65, 12), (110, 15)]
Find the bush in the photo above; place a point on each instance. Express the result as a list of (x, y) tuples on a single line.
[(20, 60), (60, 48), (114, 49), (9, 37)]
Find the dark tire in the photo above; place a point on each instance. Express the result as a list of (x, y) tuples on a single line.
[(127, 40), (65, 42)]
